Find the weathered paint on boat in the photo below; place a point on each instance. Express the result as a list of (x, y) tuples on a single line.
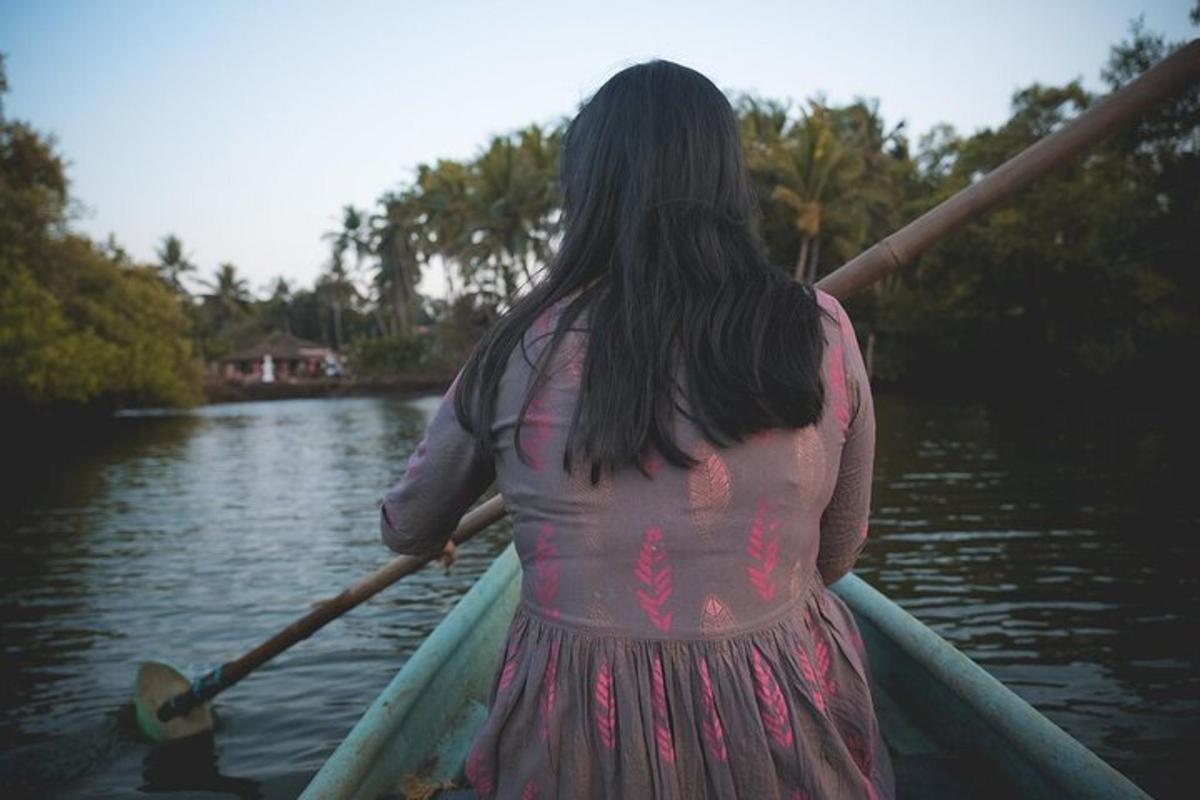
[(953, 729)]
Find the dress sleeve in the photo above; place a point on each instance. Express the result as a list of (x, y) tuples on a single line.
[(445, 475), (844, 521)]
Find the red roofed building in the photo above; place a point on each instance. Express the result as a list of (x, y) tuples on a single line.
[(281, 357)]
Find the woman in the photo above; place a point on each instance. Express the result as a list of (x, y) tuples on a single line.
[(684, 439)]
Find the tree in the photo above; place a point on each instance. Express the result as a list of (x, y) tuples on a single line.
[(443, 193), (172, 263), (336, 292), (820, 174), (513, 201), (229, 293), (398, 235), (278, 304), (67, 338), (1089, 275)]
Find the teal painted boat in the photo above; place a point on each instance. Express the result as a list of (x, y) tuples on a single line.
[(953, 730)]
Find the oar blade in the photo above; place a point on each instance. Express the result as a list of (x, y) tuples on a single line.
[(157, 683)]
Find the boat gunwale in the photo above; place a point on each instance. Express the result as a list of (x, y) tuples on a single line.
[(346, 772), (1057, 760)]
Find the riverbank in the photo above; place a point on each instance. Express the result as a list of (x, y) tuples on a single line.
[(221, 391)]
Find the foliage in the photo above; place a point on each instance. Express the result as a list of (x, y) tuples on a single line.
[(79, 323), (1088, 276), (389, 355)]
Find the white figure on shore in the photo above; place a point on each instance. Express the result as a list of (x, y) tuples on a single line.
[(332, 367), (268, 369)]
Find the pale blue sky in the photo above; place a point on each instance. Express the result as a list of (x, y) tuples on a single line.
[(244, 127)]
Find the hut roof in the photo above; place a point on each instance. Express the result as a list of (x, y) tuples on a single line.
[(281, 345)]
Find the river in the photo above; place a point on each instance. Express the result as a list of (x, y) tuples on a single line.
[(1058, 548)]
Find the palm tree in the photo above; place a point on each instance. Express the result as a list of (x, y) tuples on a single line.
[(279, 303), (822, 180), (355, 234), (761, 124), (228, 292), (338, 292), (397, 234), (172, 263), (514, 202), (443, 194)]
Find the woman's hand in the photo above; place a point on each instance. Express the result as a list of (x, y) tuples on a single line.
[(449, 553)]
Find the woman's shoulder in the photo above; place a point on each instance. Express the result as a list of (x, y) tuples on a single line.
[(835, 312)]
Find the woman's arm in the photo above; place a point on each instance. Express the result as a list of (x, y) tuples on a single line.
[(445, 475), (844, 522)]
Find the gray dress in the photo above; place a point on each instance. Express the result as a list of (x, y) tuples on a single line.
[(674, 638)]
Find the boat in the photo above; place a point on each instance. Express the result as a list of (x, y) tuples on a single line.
[(952, 729)]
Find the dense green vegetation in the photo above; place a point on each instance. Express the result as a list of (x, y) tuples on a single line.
[(80, 323), (1088, 278)]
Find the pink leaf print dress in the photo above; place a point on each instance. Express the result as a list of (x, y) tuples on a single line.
[(675, 638)]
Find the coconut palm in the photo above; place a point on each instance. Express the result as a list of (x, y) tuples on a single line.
[(822, 179), (279, 303), (172, 263), (354, 234), (444, 196), (762, 124), (337, 292), (514, 206), (228, 297), (397, 234), (228, 288)]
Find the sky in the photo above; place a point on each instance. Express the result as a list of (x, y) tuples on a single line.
[(244, 127)]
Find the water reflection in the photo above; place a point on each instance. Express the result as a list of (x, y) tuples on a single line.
[(191, 765), (1057, 549), (1054, 558)]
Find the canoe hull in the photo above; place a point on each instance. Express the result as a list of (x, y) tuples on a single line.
[(422, 722)]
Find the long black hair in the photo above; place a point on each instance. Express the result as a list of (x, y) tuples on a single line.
[(661, 247)]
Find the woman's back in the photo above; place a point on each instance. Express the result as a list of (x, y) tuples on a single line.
[(646, 555), (675, 637)]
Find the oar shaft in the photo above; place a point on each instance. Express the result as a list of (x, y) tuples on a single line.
[(213, 683)]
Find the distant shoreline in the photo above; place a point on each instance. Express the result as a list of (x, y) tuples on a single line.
[(218, 392)]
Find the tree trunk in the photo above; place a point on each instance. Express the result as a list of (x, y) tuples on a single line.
[(337, 324), (802, 262), (400, 302), (814, 260), (381, 322)]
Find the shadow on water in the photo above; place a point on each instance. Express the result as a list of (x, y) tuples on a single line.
[(191, 765), (44, 769)]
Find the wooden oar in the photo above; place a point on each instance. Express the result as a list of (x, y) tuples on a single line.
[(169, 706)]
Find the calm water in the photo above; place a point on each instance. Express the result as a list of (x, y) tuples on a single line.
[(1059, 550)]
